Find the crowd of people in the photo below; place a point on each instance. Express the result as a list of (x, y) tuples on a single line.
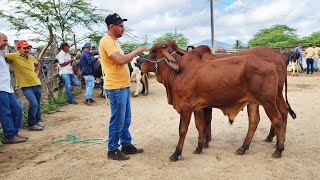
[(116, 86), (312, 54)]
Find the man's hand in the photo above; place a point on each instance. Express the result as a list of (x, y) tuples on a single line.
[(142, 49), (71, 60), (97, 56)]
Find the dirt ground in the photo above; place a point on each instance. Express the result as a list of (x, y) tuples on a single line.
[(155, 128)]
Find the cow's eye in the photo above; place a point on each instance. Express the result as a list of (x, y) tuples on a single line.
[(154, 51), (164, 45)]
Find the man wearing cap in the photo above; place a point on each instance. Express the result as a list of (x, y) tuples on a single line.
[(66, 70), (116, 84), (27, 72), (87, 71), (10, 109)]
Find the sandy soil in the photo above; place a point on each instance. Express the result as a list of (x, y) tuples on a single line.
[(155, 128)]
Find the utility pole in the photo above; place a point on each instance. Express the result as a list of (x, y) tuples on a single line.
[(175, 33), (146, 39), (212, 26)]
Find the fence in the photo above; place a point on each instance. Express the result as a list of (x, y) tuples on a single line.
[(49, 77)]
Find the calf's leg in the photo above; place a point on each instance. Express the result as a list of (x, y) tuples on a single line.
[(200, 124), (185, 116), (254, 119), (208, 119)]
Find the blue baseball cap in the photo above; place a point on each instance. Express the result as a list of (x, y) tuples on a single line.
[(87, 44)]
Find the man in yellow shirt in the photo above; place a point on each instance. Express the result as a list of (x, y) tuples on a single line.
[(316, 57), (27, 71), (116, 84), (309, 58)]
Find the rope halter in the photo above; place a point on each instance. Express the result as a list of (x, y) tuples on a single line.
[(158, 61)]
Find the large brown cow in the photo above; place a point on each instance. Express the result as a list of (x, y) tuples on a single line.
[(228, 84), (275, 57)]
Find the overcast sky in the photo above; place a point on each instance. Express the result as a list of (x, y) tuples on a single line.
[(234, 19)]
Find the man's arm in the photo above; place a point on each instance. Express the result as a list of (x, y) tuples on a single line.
[(90, 59), (37, 69), (124, 59), (67, 62)]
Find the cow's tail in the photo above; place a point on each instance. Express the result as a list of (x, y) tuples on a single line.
[(291, 112)]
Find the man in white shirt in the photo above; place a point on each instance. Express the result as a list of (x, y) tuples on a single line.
[(65, 70), (10, 109)]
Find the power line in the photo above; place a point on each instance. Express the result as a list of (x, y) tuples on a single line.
[(195, 19)]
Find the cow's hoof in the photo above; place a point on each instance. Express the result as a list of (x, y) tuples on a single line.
[(206, 145), (135, 95), (241, 151), (174, 157), (277, 154), (197, 151), (268, 139)]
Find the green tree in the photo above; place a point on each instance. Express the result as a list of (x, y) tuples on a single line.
[(238, 45), (313, 38), (181, 41), (37, 16), (129, 46), (276, 36)]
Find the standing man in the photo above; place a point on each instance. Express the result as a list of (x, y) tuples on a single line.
[(309, 58), (299, 51), (65, 70), (10, 109), (27, 72), (116, 85), (316, 57), (87, 71)]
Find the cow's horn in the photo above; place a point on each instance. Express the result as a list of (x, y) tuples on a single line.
[(181, 51), (171, 61)]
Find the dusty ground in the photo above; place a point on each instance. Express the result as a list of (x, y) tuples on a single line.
[(155, 128)]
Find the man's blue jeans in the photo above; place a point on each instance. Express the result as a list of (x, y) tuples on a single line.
[(10, 114), (309, 64), (75, 81), (301, 63), (120, 119), (33, 94), (89, 86), (315, 63), (67, 78)]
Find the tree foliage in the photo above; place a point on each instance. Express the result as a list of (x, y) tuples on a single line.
[(181, 41), (276, 36), (63, 16), (313, 38), (128, 46), (238, 45)]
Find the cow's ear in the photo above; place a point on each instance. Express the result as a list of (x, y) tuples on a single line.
[(181, 51), (171, 61)]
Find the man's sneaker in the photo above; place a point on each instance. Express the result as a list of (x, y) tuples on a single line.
[(22, 137), (92, 101), (117, 155), (13, 140), (73, 102), (40, 123), (131, 149), (87, 102), (35, 128)]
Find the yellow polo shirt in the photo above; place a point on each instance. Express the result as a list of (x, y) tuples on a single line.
[(116, 76), (310, 52), (23, 69), (317, 52)]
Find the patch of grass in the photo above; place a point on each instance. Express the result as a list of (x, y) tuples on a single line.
[(48, 106)]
